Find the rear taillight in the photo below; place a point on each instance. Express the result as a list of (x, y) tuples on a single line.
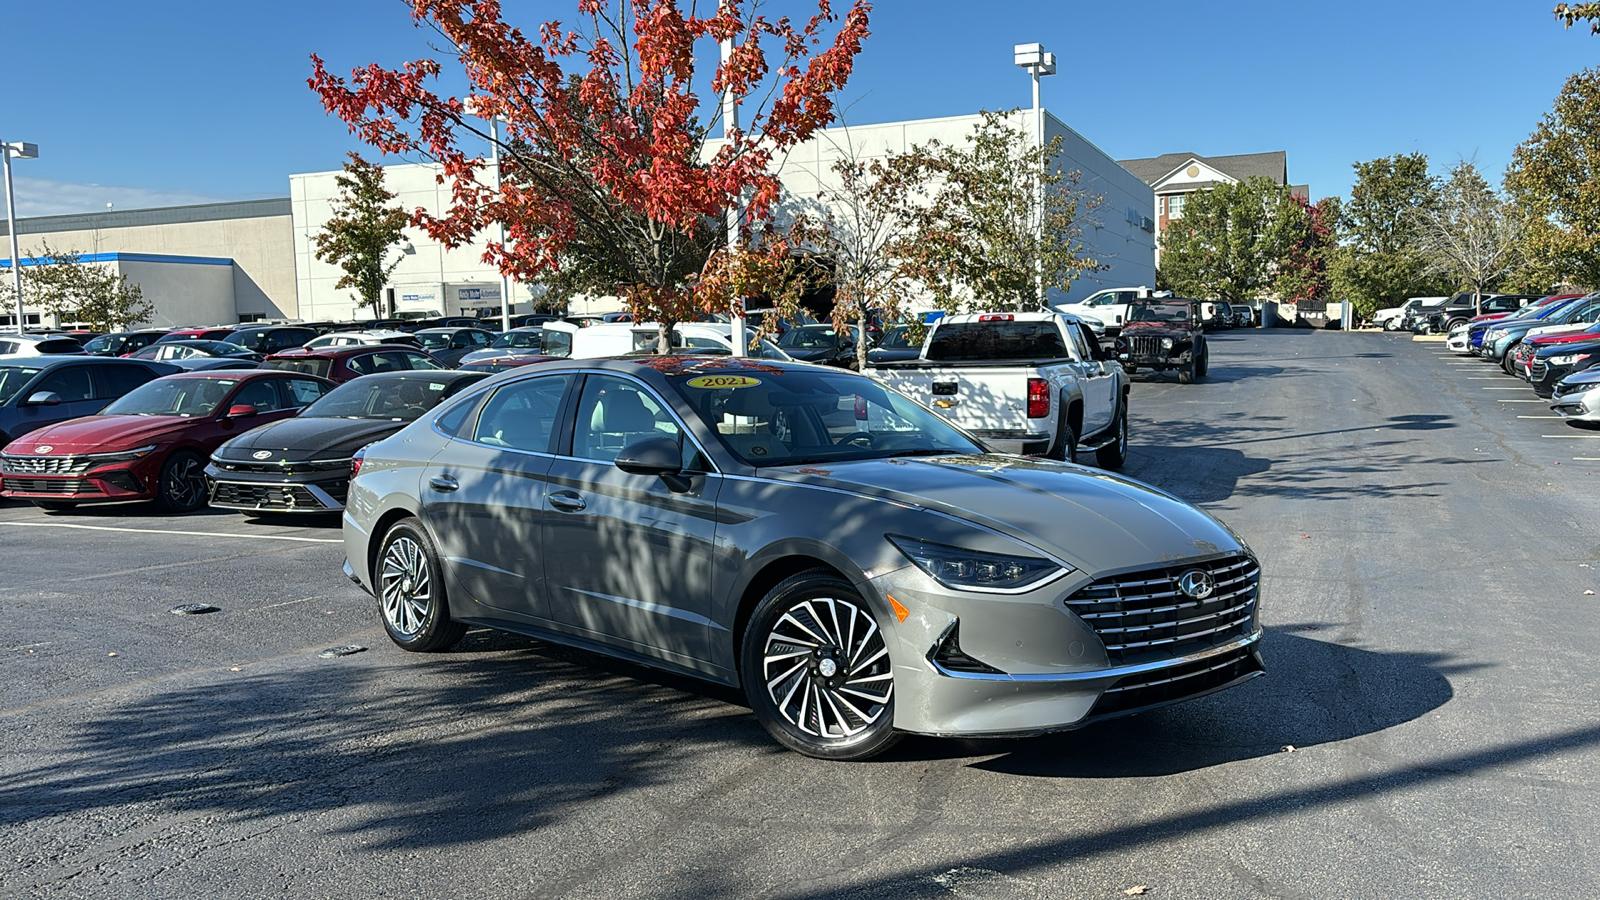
[(355, 463), (1038, 398), (997, 317)]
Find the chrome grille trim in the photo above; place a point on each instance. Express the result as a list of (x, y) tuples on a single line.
[(46, 465), (1147, 610)]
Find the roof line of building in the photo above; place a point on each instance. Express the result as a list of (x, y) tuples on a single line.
[(28, 261), (165, 215)]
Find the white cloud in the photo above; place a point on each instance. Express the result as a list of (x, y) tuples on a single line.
[(43, 197)]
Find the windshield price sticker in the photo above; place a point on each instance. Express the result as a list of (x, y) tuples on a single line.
[(724, 381)]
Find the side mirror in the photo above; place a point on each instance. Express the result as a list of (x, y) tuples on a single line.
[(43, 398), (241, 411), (655, 456)]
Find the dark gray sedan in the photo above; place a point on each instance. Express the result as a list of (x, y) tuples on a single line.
[(860, 566)]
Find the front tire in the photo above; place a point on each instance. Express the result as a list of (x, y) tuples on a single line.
[(1186, 374), (816, 669), (411, 598), (182, 486)]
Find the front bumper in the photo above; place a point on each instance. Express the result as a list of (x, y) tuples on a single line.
[(277, 489), (113, 483), (1457, 342), (1578, 406), (1069, 653)]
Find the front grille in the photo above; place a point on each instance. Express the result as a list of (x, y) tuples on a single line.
[(264, 496), (1144, 345), (1191, 679), (303, 467), (62, 486), (1536, 370), (47, 465), (1147, 611)]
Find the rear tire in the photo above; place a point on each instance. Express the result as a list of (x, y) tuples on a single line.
[(410, 587), (1065, 447), (1113, 455)]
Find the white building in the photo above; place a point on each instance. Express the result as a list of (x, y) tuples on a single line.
[(1121, 234)]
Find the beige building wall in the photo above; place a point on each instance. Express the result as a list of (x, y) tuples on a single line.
[(258, 235)]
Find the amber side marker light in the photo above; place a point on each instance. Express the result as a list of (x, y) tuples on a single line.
[(900, 612)]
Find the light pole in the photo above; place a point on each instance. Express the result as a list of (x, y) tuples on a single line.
[(505, 281), (1038, 63), (730, 124), (20, 151)]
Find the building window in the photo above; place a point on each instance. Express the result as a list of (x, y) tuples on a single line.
[(1175, 206)]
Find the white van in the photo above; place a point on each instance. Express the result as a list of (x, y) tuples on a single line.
[(622, 338)]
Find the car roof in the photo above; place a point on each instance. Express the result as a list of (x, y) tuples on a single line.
[(33, 362), (334, 352), (414, 375), (236, 374)]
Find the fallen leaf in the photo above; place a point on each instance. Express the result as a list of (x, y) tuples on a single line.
[(111, 654), (234, 669), (1305, 536), (1288, 748), (1588, 593), (1136, 890)]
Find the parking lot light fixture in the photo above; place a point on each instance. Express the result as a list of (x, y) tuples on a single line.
[(20, 151), (1037, 62)]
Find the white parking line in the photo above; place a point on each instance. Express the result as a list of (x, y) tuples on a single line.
[(1523, 401), (1523, 388), (250, 537), (1576, 437), (1486, 378), (1538, 417)]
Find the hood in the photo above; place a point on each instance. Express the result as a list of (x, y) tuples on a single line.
[(809, 354), (1590, 377), (893, 354), (1173, 328), (314, 438), (104, 434), (1098, 522), (1546, 351), (1562, 337)]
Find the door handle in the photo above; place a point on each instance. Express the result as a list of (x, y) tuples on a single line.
[(567, 501), (443, 483)]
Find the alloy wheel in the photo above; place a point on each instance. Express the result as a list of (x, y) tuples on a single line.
[(826, 668), (405, 586), (185, 487)]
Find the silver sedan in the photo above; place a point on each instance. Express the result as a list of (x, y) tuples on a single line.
[(861, 567), (1577, 397)]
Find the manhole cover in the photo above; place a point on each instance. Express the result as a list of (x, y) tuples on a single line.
[(335, 652), (193, 609)]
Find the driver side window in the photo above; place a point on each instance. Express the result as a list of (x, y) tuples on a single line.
[(613, 413)]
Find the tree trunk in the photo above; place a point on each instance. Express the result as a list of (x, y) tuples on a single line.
[(664, 336), (861, 340)]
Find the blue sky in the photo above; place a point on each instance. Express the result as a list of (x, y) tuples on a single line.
[(181, 101)]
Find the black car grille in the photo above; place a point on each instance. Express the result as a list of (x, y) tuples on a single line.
[(303, 467), (1144, 345), (1147, 611), (62, 486), (46, 465), (264, 496), (1180, 682)]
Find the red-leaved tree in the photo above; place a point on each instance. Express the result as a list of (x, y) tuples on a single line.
[(607, 180)]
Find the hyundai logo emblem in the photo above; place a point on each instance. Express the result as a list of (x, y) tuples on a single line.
[(1197, 584), (43, 448), (261, 454)]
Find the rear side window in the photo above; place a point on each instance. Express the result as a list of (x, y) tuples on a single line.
[(302, 392), (112, 382), (317, 367), (522, 416), (997, 340)]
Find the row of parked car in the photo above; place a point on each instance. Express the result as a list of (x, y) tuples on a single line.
[(1552, 343)]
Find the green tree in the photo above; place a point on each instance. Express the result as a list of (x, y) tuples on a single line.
[(1310, 240), (977, 247), (1472, 236), (362, 231), (1232, 241), (1380, 262), (65, 286), (1554, 177)]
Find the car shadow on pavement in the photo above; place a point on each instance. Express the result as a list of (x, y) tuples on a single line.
[(1314, 692)]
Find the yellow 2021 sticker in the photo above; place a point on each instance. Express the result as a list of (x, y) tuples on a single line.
[(724, 381)]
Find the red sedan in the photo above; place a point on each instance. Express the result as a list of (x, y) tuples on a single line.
[(153, 443)]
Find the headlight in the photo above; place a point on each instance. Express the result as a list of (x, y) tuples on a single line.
[(1494, 335), (1565, 359), (101, 459), (954, 567), (1166, 343)]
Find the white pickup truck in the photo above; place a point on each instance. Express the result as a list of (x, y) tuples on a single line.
[(1030, 383), (1106, 311)]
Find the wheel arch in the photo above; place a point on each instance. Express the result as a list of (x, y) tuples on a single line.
[(381, 526), (772, 567)]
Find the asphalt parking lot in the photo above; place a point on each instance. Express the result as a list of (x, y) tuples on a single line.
[(1429, 726)]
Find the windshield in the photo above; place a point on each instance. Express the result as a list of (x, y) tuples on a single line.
[(12, 378), (997, 340), (435, 341), (778, 417), (312, 366), (520, 340), (101, 344), (807, 338), (186, 397), (898, 338), (1159, 312), (401, 398)]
